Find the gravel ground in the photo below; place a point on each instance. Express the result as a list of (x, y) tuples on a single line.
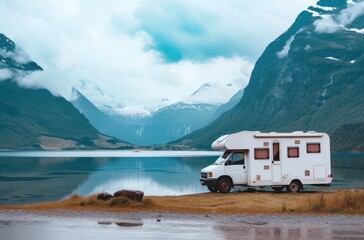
[(67, 224)]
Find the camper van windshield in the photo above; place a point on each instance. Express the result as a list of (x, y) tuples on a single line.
[(221, 159)]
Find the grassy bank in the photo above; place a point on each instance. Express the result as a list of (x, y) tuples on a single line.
[(342, 201)]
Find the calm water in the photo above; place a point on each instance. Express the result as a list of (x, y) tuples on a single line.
[(37, 177)]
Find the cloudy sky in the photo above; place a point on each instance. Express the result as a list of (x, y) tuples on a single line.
[(141, 51)]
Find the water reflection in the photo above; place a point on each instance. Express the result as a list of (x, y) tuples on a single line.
[(37, 179), (154, 176)]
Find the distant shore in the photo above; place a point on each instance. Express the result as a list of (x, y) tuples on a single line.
[(307, 202)]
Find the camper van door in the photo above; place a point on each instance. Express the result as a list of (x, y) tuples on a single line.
[(235, 168), (276, 163)]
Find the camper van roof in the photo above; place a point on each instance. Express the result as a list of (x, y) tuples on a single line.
[(288, 135), (240, 139)]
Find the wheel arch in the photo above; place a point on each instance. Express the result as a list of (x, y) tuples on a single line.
[(226, 176), (299, 182)]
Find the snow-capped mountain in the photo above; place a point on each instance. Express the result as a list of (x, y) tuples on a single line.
[(215, 92), (164, 121)]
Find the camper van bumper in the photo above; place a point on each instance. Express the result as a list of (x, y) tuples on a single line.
[(211, 182)]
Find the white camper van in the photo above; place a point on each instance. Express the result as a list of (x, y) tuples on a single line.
[(279, 160)]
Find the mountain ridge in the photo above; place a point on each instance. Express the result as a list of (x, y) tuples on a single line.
[(295, 85), (35, 119)]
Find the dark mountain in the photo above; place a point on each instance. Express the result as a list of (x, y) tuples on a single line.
[(348, 138), (309, 78), (14, 58), (34, 118)]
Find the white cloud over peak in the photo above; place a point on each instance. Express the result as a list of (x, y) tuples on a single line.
[(330, 23), (123, 46)]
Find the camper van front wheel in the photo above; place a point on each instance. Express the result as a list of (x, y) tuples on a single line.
[(294, 187), (225, 185)]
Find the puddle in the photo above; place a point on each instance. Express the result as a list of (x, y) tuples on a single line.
[(126, 224), (121, 224)]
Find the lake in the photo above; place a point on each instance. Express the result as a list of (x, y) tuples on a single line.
[(31, 177)]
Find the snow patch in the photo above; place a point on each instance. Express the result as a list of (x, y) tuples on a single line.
[(132, 111), (332, 58), (361, 31), (308, 47), (314, 13), (327, 9), (215, 92), (349, 2)]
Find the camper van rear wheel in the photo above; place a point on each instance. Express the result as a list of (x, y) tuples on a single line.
[(212, 189), (278, 189), (224, 185), (294, 187)]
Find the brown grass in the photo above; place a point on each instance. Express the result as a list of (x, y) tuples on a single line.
[(343, 201), (346, 201)]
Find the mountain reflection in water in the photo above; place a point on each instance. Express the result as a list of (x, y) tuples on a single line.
[(38, 179)]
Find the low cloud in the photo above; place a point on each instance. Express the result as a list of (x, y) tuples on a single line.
[(330, 23), (126, 48), (5, 74)]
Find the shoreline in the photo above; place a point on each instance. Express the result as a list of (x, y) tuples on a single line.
[(307, 202)]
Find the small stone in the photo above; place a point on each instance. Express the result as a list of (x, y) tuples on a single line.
[(104, 196)]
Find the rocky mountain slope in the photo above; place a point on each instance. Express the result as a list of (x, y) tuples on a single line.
[(34, 118), (309, 78)]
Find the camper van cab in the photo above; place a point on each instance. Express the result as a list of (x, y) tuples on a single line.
[(279, 160)]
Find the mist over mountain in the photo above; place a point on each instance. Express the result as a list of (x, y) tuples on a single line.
[(34, 118), (167, 122), (309, 78)]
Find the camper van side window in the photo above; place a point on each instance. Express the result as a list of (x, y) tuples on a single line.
[(293, 152), (237, 159), (261, 153), (313, 148)]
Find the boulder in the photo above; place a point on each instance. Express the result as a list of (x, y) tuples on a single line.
[(134, 195), (104, 196)]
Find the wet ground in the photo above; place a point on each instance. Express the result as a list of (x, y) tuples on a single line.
[(65, 224)]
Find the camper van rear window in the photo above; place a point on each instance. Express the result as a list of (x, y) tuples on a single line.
[(293, 152), (261, 153), (313, 148)]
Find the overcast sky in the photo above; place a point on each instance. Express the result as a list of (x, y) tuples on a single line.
[(140, 51)]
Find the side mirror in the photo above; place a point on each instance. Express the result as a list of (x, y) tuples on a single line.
[(228, 162)]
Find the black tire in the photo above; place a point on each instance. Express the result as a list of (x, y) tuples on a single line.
[(224, 185), (294, 187), (278, 189), (212, 189)]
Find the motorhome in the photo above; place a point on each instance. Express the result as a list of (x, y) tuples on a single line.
[(279, 160)]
